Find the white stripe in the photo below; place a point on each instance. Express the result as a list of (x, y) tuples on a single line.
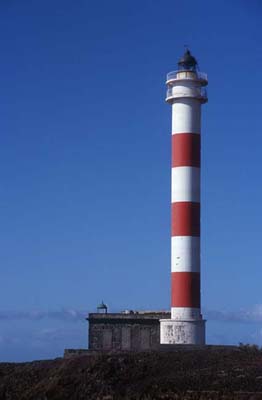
[(185, 254), (186, 116), (181, 313), (185, 184)]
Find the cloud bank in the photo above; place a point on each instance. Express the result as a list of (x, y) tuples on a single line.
[(64, 314), (253, 314)]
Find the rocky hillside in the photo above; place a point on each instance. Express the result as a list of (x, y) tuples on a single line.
[(198, 374)]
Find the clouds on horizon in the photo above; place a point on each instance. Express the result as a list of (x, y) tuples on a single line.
[(253, 314), (63, 314), (245, 315)]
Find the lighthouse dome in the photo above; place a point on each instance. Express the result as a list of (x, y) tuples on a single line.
[(187, 61)]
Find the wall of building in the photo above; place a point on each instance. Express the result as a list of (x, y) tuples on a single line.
[(127, 331)]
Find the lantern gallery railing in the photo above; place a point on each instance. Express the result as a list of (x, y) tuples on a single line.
[(187, 74)]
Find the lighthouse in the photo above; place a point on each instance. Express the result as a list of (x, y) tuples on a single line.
[(185, 93)]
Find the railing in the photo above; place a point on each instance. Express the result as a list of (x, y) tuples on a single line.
[(202, 93), (202, 76)]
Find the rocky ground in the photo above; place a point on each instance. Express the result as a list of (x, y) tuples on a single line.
[(192, 375)]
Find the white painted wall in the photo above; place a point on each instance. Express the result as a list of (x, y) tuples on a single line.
[(182, 332), (185, 254), (185, 184), (185, 313), (186, 116)]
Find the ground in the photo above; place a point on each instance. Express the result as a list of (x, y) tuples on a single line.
[(192, 375)]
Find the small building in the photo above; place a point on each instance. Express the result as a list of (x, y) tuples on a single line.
[(127, 331)]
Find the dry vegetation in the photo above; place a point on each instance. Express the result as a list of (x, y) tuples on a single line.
[(193, 375)]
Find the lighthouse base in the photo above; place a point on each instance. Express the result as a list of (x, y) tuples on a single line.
[(182, 331)]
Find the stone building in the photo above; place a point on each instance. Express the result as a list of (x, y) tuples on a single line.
[(127, 330)]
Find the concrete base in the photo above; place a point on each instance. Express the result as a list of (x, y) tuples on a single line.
[(182, 331)]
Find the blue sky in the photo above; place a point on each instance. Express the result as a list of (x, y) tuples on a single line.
[(85, 165)]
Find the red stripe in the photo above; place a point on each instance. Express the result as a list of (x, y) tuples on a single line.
[(185, 219), (185, 291), (186, 150)]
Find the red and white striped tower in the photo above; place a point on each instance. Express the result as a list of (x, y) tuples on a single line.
[(185, 93)]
